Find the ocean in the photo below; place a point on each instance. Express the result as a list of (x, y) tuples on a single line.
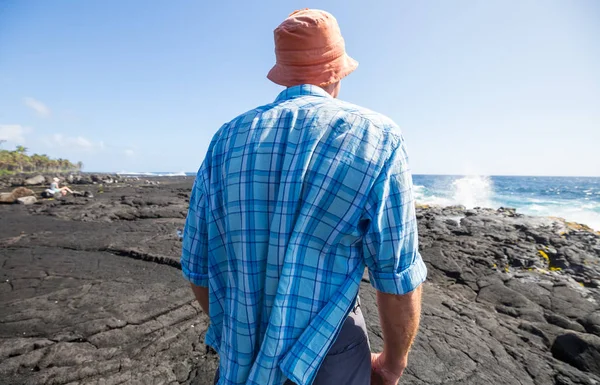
[(576, 199)]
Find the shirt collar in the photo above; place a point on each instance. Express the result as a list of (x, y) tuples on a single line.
[(302, 90)]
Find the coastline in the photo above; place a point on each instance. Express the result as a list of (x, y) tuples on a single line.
[(93, 178), (90, 292)]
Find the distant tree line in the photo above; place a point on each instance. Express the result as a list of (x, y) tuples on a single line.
[(17, 161)]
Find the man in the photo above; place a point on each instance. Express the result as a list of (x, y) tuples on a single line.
[(292, 201)]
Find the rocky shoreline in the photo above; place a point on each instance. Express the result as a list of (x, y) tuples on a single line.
[(28, 180), (91, 293)]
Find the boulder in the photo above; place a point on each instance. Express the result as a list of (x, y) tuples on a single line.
[(35, 181), (21, 192), (82, 179), (580, 350), (26, 200), (16, 182), (7, 198)]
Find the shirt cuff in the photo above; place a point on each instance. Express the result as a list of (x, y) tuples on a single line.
[(195, 278), (402, 282)]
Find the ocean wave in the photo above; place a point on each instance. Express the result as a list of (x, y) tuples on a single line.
[(531, 196), (469, 191)]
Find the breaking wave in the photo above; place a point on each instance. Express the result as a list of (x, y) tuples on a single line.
[(576, 199)]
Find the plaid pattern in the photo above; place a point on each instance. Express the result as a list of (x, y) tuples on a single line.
[(291, 203)]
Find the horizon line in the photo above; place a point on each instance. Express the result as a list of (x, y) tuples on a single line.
[(424, 174)]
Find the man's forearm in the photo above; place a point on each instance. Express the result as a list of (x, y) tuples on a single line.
[(201, 294), (399, 316)]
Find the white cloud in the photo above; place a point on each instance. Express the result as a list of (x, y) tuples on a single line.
[(73, 142), (40, 108), (129, 152), (13, 133)]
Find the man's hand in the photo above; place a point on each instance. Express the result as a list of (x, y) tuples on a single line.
[(383, 373), (399, 317)]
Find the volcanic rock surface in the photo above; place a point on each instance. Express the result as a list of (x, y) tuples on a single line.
[(91, 293)]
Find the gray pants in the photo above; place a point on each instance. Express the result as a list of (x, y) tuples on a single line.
[(349, 359)]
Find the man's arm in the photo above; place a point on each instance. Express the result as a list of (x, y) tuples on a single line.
[(201, 294), (399, 316), (396, 269), (194, 254)]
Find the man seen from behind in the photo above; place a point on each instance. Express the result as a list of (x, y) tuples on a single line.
[(293, 200)]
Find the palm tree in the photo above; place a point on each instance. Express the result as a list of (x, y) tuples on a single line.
[(18, 161), (45, 162), (5, 160)]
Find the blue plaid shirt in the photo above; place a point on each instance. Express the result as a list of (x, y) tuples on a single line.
[(291, 203)]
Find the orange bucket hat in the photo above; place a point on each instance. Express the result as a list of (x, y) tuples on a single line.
[(310, 49)]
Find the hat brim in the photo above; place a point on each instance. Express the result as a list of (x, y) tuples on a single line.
[(322, 74)]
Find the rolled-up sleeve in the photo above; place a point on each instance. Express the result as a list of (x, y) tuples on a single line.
[(390, 243), (194, 256)]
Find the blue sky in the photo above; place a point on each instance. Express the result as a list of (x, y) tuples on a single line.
[(479, 87)]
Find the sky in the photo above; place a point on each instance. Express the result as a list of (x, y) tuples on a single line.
[(489, 87)]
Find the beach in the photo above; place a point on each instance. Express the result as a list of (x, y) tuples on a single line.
[(91, 293)]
